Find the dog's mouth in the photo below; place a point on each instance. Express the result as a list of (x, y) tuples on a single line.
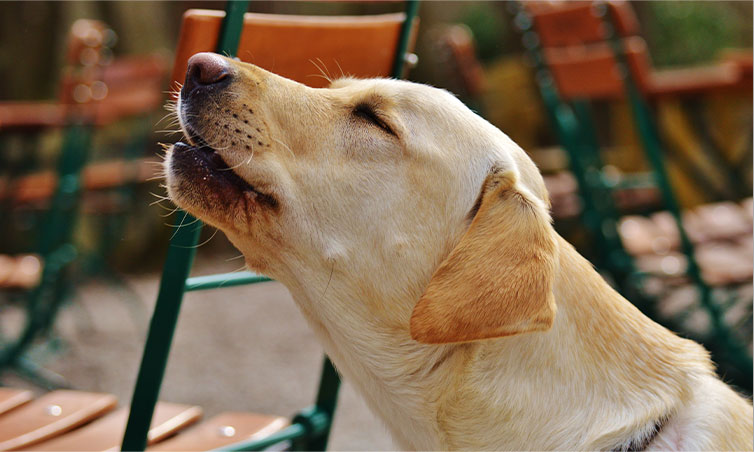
[(211, 169)]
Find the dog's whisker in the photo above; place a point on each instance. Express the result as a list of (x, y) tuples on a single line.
[(170, 114), (171, 211), (161, 197), (342, 74), (240, 164), (181, 225), (285, 146), (206, 241), (322, 74), (158, 202), (178, 228), (326, 70)]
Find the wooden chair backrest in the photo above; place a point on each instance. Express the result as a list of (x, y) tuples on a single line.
[(565, 23), (297, 47), (574, 37), (134, 85), (591, 71), (101, 89)]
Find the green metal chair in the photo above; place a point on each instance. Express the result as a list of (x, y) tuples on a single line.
[(201, 31), (581, 53)]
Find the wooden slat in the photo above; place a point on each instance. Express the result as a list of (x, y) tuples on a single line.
[(31, 115), (222, 430), (106, 433), (590, 71), (695, 80), (96, 176), (133, 86), (565, 23), (293, 46), (51, 415), (13, 398), (19, 272)]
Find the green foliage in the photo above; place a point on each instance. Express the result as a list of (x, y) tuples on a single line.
[(692, 32)]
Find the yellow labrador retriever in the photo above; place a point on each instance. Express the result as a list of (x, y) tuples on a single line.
[(416, 240)]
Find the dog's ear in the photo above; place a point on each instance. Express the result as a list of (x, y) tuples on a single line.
[(498, 280)]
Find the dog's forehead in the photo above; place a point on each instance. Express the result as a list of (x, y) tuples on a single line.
[(401, 92)]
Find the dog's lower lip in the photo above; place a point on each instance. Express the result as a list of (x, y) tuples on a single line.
[(218, 164)]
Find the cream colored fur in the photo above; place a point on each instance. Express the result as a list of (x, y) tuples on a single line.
[(369, 225)]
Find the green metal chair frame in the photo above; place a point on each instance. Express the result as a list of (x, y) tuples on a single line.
[(310, 428), (574, 126)]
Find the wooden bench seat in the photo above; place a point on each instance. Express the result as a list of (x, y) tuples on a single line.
[(50, 415), (222, 430), (13, 398), (67, 420), (106, 433)]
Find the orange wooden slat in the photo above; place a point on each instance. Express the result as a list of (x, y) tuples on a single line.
[(19, 272), (293, 46), (96, 176), (50, 415), (695, 80), (21, 115), (564, 23), (590, 71), (106, 433), (222, 430), (125, 87), (13, 398)]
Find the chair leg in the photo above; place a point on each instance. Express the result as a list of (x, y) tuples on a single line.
[(157, 348)]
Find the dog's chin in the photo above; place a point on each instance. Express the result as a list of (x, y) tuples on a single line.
[(200, 182)]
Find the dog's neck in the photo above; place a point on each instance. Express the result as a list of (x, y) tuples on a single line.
[(597, 337)]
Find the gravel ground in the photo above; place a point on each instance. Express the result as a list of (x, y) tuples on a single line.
[(235, 349)]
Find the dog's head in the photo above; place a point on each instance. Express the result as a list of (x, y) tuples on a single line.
[(381, 191)]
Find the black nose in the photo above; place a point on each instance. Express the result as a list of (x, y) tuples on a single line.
[(205, 69)]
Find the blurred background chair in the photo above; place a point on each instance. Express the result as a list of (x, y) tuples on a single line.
[(589, 52), (96, 91), (688, 269)]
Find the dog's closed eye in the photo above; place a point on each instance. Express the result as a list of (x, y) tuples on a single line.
[(366, 112)]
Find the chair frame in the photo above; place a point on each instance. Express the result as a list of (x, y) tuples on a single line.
[(310, 428)]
